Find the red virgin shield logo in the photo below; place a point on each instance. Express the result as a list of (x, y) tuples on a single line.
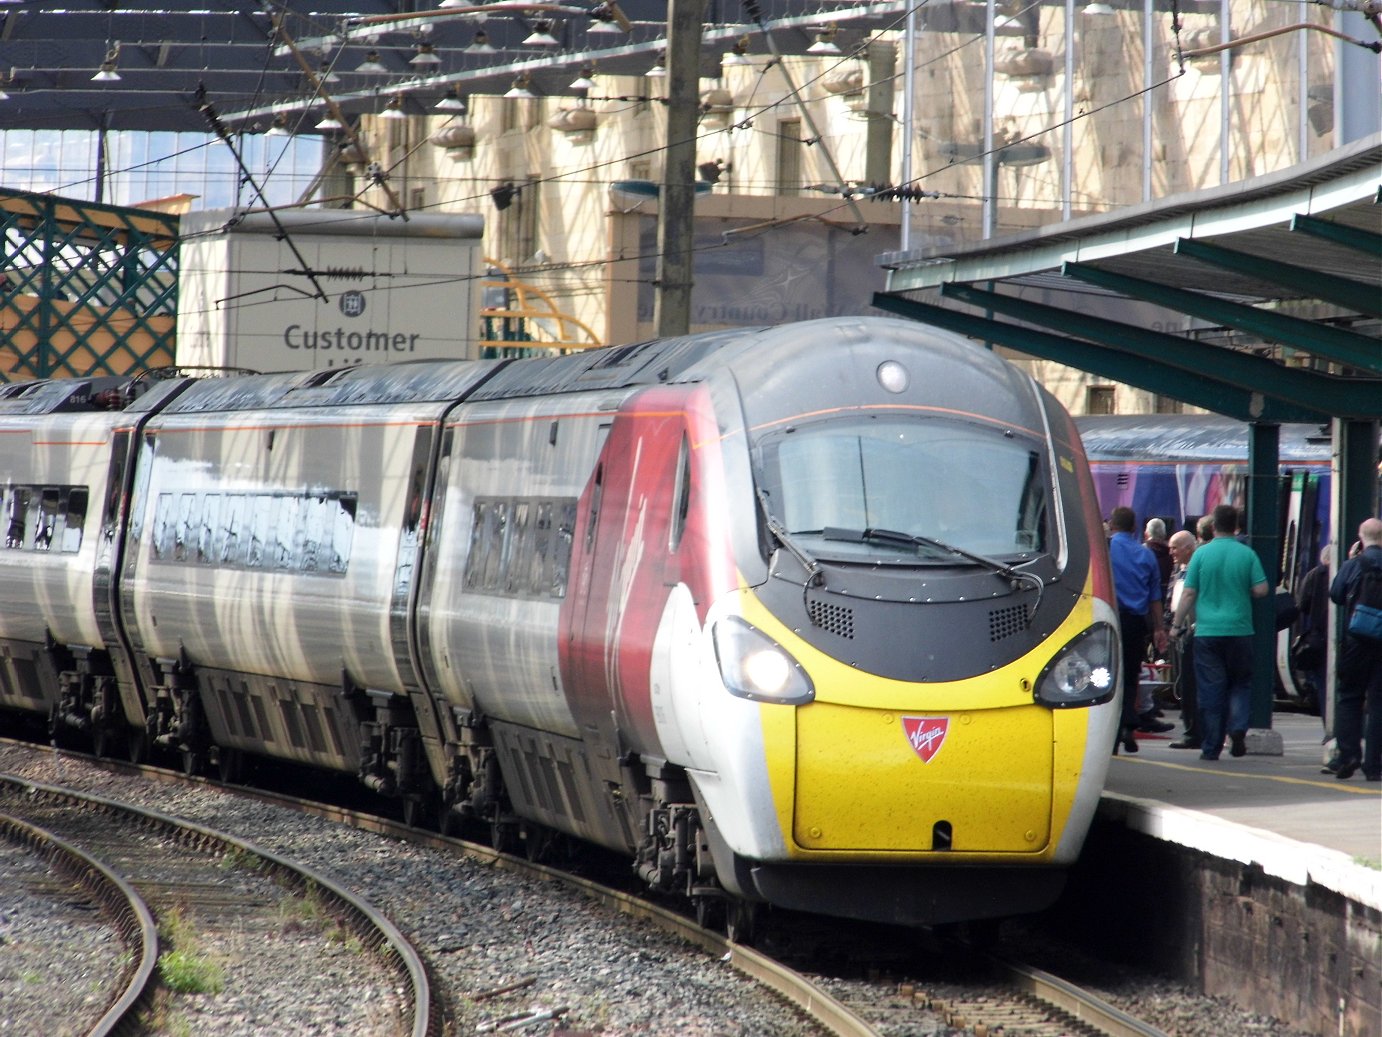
[(926, 735)]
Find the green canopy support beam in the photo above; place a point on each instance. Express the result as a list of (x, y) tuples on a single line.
[(1363, 241), (1353, 295), (1264, 536), (1323, 394), (1310, 336), (1201, 391)]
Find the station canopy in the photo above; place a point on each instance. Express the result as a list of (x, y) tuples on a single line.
[(102, 64)]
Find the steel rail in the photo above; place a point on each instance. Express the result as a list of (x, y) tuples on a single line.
[(119, 901), (384, 938), (1074, 1001)]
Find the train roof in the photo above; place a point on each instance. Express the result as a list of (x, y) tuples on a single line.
[(1190, 437)]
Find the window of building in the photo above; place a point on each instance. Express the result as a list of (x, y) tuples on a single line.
[(1099, 399), (1168, 405), (789, 148)]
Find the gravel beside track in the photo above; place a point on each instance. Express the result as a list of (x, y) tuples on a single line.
[(45, 925), (480, 930)]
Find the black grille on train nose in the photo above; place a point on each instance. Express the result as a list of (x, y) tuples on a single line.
[(1005, 622), (836, 619)]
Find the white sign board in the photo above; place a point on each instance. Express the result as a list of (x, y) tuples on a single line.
[(324, 288)]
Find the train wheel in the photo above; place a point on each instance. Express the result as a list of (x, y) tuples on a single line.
[(710, 911), (192, 762), (503, 836), (419, 811), (105, 741), (741, 921), (230, 764)]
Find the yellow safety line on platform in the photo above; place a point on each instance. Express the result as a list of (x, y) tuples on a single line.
[(1334, 784)]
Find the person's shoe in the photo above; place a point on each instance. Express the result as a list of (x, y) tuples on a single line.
[(1208, 756), (1238, 743), (1129, 742), (1332, 767), (1374, 776), (1185, 743), (1347, 768), (1155, 727)]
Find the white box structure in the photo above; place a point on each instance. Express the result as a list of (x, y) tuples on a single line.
[(395, 289)]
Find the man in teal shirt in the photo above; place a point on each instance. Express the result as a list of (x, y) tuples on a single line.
[(1223, 577)]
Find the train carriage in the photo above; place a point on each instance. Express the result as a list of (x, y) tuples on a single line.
[(817, 616)]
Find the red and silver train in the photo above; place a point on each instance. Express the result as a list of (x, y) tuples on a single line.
[(816, 615)]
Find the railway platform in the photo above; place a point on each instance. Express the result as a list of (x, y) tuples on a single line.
[(1257, 878)]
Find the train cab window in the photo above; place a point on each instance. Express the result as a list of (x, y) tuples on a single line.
[(186, 524), (77, 497), (287, 532), (561, 548), (831, 482), (516, 549), (313, 525)]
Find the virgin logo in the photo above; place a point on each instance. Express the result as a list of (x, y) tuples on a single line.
[(925, 734)]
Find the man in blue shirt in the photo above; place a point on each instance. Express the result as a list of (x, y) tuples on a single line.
[(1223, 577), (1137, 583)]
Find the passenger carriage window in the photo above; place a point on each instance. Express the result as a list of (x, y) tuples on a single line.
[(343, 532), (228, 545), (494, 546), (185, 532), (16, 511), (514, 565), (261, 519), (162, 540), (561, 549), (313, 519), (46, 525), (539, 550), (77, 498), (287, 532), (207, 528)]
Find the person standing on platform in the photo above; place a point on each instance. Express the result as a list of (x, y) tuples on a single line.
[(1154, 536), (1223, 577), (1310, 652), (1359, 584), (1137, 584), (1182, 546)]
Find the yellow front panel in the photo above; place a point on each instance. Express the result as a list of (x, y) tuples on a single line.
[(860, 784)]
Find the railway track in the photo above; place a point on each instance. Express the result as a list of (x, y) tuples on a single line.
[(1023, 1002), (194, 907)]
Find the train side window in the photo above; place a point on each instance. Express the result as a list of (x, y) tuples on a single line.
[(207, 528), (681, 495), (261, 518), (228, 545), (77, 497), (539, 553), (561, 549), (161, 541), (596, 492), (287, 531), (513, 566), (474, 559), (342, 532), (185, 532), (494, 546), (17, 509), (313, 518), (47, 521)]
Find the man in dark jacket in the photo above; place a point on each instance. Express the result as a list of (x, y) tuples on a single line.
[(1359, 668)]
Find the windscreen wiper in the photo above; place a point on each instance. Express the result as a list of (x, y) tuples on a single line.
[(778, 530)]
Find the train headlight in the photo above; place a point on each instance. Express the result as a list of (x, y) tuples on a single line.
[(756, 667), (1083, 673)]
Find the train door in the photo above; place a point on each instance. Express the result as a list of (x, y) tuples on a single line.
[(1303, 535)]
